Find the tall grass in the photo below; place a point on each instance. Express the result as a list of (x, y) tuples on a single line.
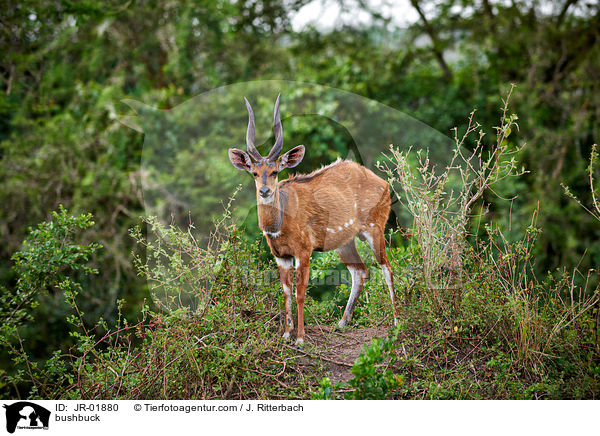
[(441, 201)]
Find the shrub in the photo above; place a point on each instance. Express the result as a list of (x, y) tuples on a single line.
[(49, 261), (374, 378), (440, 202), (227, 345)]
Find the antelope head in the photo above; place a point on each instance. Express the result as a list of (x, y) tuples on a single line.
[(265, 169)]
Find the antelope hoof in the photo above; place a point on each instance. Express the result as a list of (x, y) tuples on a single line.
[(299, 342), (342, 324), (286, 336)]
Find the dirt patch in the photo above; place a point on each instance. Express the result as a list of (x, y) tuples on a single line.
[(337, 350)]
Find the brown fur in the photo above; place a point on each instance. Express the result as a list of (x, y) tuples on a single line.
[(324, 211), (341, 193)]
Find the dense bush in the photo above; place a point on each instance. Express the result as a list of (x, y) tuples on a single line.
[(227, 345), (65, 70), (475, 321)]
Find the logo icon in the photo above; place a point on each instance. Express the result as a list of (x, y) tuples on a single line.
[(26, 415)]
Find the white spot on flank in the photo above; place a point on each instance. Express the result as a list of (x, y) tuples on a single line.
[(351, 222), (371, 224), (345, 224), (355, 205), (340, 228), (330, 230)]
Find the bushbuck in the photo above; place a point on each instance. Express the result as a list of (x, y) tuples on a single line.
[(321, 211)]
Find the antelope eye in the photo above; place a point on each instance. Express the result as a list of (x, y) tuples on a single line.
[(255, 174), (274, 173)]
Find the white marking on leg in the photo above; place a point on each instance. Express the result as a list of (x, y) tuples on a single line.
[(288, 304), (283, 262), (296, 265), (387, 275), (357, 280), (288, 296), (369, 239)]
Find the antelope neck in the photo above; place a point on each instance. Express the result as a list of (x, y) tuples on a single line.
[(270, 216)]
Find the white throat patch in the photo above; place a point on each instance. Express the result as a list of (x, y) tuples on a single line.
[(267, 200), (272, 235)]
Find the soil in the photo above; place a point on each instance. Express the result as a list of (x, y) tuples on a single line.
[(337, 350)]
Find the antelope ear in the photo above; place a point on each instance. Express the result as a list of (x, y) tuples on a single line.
[(240, 159), (291, 158)]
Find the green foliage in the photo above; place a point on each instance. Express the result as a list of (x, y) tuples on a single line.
[(441, 201), (373, 380), (65, 67), (50, 249), (594, 211), (373, 377), (476, 323), (505, 336), (223, 346), (50, 260)]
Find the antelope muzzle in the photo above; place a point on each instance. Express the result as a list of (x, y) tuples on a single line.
[(265, 192)]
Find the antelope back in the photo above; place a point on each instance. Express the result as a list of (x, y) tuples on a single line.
[(337, 202)]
